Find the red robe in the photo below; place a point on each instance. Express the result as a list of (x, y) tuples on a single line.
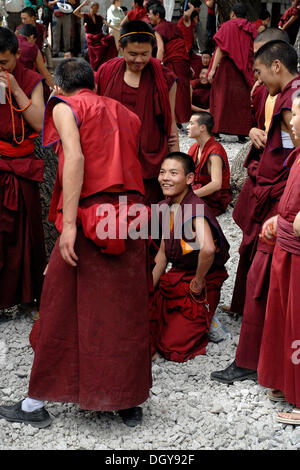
[(29, 52), (101, 47), (230, 91), (138, 13), (92, 345), (219, 200), (278, 366), (201, 93), (155, 113), (22, 251), (179, 323), (261, 204), (188, 33), (177, 60), (292, 30)]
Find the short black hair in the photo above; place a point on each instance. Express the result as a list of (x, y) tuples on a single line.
[(30, 11), (27, 30), (206, 52), (206, 118), (265, 14), (185, 159), (144, 33), (160, 9), (278, 50), (74, 74), (8, 41), (272, 34), (139, 2), (240, 10)]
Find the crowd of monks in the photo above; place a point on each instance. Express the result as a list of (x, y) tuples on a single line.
[(115, 292)]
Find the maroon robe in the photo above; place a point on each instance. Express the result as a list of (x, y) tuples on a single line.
[(29, 52), (219, 200), (22, 251), (101, 48), (278, 366), (177, 60), (201, 94), (92, 346), (234, 78), (179, 321), (270, 180), (40, 30), (155, 113)]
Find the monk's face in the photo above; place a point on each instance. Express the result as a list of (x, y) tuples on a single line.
[(137, 55), (194, 128), (94, 8), (172, 179), (203, 77), (26, 19), (295, 121), (8, 61), (206, 59), (154, 19), (268, 75)]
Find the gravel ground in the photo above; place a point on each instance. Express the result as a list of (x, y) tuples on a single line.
[(185, 411)]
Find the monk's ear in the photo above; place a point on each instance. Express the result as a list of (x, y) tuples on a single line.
[(276, 66), (18, 53), (190, 178)]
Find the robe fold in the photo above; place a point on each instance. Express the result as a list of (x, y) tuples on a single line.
[(235, 76), (92, 344), (201, 94), (177, 60), (278, 366), (22, 250), (270, 180), (179, 321), (154, 113), (219, 200)]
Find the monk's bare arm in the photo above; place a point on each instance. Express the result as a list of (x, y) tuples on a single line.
[(206, 254), (296, 225), (34, 107), (218, 55), (173, 140), (160, 264), (42, 69), (215, 169), (290, 22), (77, 11), (73, 171), (160, 47)]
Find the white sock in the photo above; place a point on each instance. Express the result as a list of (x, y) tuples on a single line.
[(30, 404)]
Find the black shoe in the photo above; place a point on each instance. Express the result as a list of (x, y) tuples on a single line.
[(14, 413), (132, 416), (233, 373), (241, 139)]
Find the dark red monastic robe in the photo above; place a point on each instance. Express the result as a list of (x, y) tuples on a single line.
[(261, 204), (179, 321), (154, 113), (92, 345), (177, 60), (219, 200), (101, 47), (22, 251), (29, 52), (279, 359), (201, 94), (230, 91)]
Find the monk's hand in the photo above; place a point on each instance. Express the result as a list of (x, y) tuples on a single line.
[(258, 138), (197, 286), (296, 225), (66, 244), (211, 75), (269, 228), (8, 80)]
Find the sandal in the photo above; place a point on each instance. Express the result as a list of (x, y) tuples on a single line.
[(273, 395), (285, 418)]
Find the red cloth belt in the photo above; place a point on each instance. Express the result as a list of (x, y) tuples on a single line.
[(286, 238), (22, 150)]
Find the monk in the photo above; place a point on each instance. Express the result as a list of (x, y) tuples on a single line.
[(200, 90), (231, 75), (188, 292), (263, 21), (212, 175), (22, 251), (30, 55), (28, 16), (93, 342), (263, 108), (147, 88), (101, 47), (276, 66), (186, 24), (290, 21), (198, 63), (172, 52), (278, 367), (138, 12)]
